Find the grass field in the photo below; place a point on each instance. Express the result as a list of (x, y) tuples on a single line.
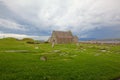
[(21, 61)]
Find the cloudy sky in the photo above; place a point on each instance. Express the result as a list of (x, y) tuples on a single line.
[(85, 18)]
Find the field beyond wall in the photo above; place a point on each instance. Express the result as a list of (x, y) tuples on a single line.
[(22, 61)]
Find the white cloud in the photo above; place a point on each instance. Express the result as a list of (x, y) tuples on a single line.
[(21, 36), (75, 15), (11, 25)]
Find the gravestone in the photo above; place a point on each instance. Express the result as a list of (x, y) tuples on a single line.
[(43, 58)]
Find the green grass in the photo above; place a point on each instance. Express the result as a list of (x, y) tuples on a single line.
[(64, 61)]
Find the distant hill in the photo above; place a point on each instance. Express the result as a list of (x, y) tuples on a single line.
[(86, 39), (89, 39)]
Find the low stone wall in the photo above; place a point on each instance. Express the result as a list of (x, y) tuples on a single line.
[(101, 42)]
